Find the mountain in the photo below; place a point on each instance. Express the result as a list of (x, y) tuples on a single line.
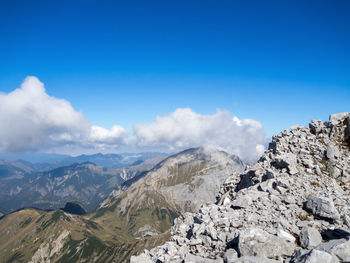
[(293, 205), (47, 162), (179, 184), (34, 158), (14, 169), (139, 217), (22, 186), (115, 161)]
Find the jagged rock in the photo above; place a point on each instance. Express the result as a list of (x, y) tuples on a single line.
[(257, 242), (315, 256), (288, 161), (309, 237), (322, 207), (316, 126), (242, 202), (338, 117), (332, 152)]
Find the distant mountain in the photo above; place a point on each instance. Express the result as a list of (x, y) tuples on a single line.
[(14, 169), (22, 186), (34, 157), (112, 160), (85, 182), (46, 162), (180, 183)]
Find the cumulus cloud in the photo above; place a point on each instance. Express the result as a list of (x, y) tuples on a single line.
[(116, 135), (32, 120), (184, 128)]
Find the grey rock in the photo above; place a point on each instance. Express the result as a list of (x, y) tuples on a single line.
[(257, 242), (315, 256), (346, 220), (288, 161), (316, 126), (322, 207), (309, 237), (230, 255), (242, 201), (338, 117), (338, 247), (332, 152), (286, 236)]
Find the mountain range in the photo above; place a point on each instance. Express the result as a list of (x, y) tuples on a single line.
[(137, 215), (21, 185)]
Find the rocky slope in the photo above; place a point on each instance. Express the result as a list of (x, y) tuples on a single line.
[(292, 206), (178, 184)]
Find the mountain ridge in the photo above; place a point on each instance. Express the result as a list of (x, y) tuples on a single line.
[(293, 205)]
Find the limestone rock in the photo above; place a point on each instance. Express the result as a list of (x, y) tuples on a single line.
[(309, 237), (316, 256), (322, 207), (338, 117), (230, 255), (257, 242)]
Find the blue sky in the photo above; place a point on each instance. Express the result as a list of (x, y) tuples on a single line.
[(124, 62)]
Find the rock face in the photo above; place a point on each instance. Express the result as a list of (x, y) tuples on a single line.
[(298, 191)]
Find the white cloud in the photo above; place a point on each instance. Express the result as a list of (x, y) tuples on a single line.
[(184, 128), (31, 120), (116, 135)]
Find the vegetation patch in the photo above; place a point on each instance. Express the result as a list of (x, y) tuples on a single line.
[(17, 257), (26, 222)]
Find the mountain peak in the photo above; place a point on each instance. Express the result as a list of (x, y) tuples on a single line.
[(299, 189)]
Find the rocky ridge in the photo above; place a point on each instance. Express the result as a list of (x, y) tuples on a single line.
[(293, 205)]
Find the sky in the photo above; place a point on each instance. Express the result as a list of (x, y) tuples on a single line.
[(143, 75)]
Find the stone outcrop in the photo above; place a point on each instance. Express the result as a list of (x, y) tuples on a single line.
[(293, 205)]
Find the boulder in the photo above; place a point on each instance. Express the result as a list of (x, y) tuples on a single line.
[(332, 152), (316, 126), (338, 117), (242, 201), (338, 247), (315, 256), (230, 255), (257, 242), (287, 160), (321, 207), (309, 237)]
